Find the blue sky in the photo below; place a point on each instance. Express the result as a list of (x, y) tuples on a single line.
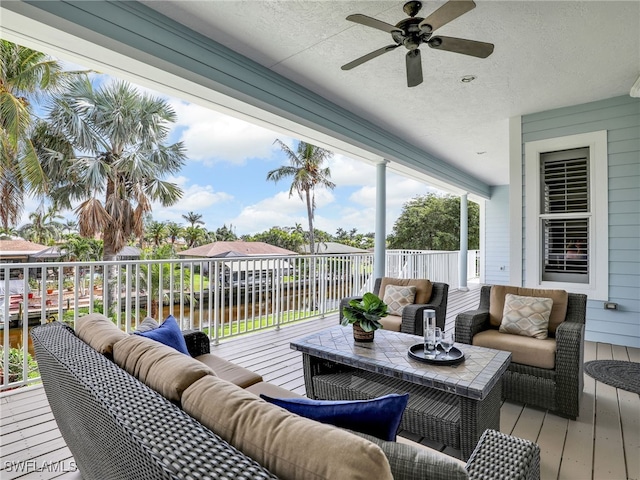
[(224, 179)]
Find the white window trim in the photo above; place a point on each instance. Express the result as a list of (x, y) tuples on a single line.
[(598, 286)]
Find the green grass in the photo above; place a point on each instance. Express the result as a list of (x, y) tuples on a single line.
[(197, 279)]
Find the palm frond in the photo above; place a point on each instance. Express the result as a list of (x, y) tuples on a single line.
[(92, 217)]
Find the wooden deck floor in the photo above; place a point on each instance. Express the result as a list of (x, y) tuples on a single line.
[(603, 444)]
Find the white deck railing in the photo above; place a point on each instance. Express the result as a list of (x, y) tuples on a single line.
[(222, 297)]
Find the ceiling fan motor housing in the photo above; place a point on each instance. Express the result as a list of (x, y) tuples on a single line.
[(411, 35)]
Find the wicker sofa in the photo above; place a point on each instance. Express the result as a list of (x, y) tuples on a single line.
[(411, 320), (118, 427), (557, 386)]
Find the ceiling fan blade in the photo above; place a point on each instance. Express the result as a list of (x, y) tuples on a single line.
[(447, 12), (414, 68), (461, 45), (373, 22), (369, 56)]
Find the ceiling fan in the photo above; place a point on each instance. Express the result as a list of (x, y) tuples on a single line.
[(414, 31)]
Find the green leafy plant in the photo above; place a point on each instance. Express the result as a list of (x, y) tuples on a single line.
[(366, 312), (16, 361)]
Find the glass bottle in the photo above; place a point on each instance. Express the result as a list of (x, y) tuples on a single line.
[(429, 319)]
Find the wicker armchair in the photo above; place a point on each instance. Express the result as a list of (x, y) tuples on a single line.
[(412, 314), (557, 389)]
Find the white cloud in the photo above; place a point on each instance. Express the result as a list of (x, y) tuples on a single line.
[(348, 172), (196, 198), (280, 210), (213, 137), (399, 190)]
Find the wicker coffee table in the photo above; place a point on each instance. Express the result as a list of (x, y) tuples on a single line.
[(452, 405)]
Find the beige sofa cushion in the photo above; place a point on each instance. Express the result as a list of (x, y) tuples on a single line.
[(528, 316), (423, 287), (230, 371), (291, 447), (162, 368), (391, 322), (558, 310), (271, 390), (99, 332), (524, 350)]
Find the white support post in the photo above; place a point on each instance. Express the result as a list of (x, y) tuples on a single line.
[(381, 210), (464, 247)]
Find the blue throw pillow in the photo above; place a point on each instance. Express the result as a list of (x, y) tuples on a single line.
[(168, 333), (379, 417)]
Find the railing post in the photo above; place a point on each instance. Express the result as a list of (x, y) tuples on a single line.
[(464, 235)]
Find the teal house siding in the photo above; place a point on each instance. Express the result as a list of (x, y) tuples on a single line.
[(620, 117), (496, 237)]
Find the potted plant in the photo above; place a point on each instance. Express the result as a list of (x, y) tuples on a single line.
[(68, 284), (365, 316)]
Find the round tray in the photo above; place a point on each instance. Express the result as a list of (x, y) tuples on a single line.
[(417, 353)]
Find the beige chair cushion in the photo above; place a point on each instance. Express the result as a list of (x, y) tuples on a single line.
[(423, 287), (230, 371), (524, 350), (527, 316), (558, 310), (162, 368), (411, 461), (430, 451), (271, 390), (291, 447), (391, 322), (99, 332), (397, 297)]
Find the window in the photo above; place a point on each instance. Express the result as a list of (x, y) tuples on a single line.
[(566, 242), (565, 215)]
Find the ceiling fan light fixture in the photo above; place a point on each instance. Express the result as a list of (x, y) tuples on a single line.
[(468, 78)]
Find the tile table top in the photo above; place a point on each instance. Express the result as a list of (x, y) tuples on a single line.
[(388, 355)]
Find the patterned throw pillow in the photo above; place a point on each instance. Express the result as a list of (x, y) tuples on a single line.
[(397, 297), (147, 325), (527, 316)]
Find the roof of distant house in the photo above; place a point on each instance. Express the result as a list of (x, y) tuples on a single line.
[(235, 249), (128, 251), (324, 248), (20, 247)]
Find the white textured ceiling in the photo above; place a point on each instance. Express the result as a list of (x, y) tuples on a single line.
[(548, 54)]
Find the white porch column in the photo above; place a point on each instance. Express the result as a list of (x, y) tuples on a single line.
[(464, 244), (380, 246)]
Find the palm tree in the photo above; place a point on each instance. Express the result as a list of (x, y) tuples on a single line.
[(26, 77), (118, 136), (226, 234), (44, 227), (193, 219), (157, 232), (8, 233), (81, 249), (70, 226), (194, 236), (307, 171), (174, 231)]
